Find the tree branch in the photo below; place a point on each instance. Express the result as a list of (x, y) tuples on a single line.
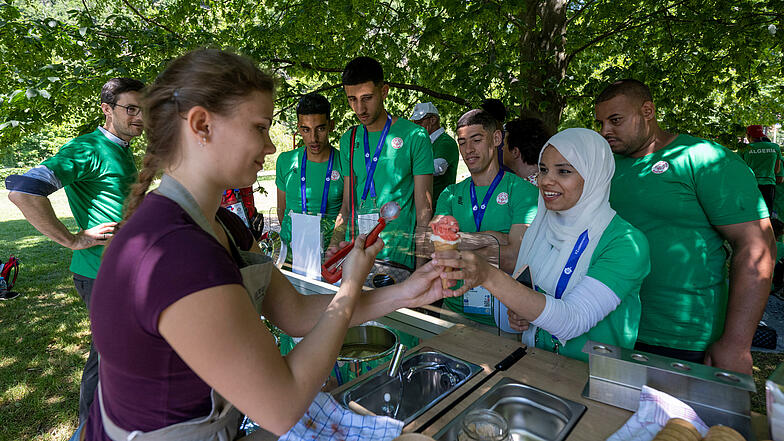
[(87, 10), (624, 26), (303, 64), (151, 21), (319, 90), (433, 93)]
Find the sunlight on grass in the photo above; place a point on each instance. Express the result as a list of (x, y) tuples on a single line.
[(16, 392), (7, 361)]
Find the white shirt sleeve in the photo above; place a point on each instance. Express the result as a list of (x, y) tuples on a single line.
[(577, 311)]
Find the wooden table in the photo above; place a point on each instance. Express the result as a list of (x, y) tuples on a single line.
[(556, 374)]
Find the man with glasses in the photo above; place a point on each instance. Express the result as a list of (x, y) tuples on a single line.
[(96, 170)]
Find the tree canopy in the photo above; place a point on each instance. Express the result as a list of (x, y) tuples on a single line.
[(709, 63)]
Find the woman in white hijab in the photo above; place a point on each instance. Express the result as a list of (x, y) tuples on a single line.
[(586, 262)]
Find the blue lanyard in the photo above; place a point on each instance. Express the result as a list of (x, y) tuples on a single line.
[(566, 274), (479, 211), (370, 164), (325, 195), (571, 263)]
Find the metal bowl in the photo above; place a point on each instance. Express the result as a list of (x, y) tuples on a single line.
[(366, 343)]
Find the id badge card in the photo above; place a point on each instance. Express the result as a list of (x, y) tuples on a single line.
[(478, 300), (239, 210), (367, 221), (306, 252)]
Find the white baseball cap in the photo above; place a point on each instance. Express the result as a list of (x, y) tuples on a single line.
[(423, 109)]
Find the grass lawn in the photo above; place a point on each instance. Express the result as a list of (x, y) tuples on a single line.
[(44, 333)]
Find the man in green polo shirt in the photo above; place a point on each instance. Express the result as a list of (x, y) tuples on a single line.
[(688, 195), (764, 159), (393, 161), (444, 147), (96, 170), (323, 184), (491, 201)]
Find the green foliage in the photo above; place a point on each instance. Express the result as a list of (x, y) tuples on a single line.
[(709, 63), (31, 149)]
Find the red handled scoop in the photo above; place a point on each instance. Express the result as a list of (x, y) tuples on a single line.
[(332, 269)]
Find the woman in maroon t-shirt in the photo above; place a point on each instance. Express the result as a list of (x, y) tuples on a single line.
[(171, 318)]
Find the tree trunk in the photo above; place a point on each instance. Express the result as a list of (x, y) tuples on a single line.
[(543, 60)]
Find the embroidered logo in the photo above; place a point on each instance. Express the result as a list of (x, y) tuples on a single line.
[(660, 167), (335, 175), (502, 198), (397, 143)]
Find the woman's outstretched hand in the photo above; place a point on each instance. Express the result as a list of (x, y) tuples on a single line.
[(472, 269), (360, 260)]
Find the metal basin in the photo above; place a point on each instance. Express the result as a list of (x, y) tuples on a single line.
[(424, 378), (532, 413), (366, 343)]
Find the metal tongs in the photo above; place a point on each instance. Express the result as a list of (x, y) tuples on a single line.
[(332, 269)]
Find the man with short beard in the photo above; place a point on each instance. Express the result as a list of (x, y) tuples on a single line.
[(688, 195), (96, 170), (312, 170), (393, 161), (491, 201)]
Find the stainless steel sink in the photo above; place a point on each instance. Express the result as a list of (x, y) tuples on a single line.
[(424, 378), (532, 413)]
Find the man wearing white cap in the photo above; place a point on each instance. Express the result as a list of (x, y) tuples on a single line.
[(445, 155)]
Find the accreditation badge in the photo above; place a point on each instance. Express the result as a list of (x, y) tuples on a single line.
[(478, 300), (660, 167), (366, 222)]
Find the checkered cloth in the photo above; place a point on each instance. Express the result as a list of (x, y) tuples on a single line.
[(326, 420), (656, 408)]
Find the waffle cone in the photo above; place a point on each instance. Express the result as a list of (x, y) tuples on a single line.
[(442, 246), (678, 430), (723, 433)]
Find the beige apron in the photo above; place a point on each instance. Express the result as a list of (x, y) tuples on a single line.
[(223, 421)]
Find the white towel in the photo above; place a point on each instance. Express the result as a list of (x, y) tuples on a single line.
[(326, 420), (656, 408)]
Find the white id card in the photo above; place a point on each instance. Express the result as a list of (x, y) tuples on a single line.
[(478, 301), (239, 210), (366, 222), (306, 252)]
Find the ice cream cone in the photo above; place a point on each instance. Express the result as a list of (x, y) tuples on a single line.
[(441, 245), (445, 237)]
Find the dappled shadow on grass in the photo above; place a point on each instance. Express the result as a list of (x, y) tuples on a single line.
[(44, 339)]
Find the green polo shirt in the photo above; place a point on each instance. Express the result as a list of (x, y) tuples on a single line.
[(407, 152), (675, 196), (288, 178), (514, 201), (761, 158), (97, 175), (445, 147), (621, 262)]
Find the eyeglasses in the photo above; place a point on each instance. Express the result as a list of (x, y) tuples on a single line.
[(131, 110)]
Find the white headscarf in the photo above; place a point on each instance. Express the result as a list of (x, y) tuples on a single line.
[(550, 239)]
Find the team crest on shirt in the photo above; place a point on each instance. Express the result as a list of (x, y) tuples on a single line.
[(335, 175), (502, 198), (660, 167), (397, 142)]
